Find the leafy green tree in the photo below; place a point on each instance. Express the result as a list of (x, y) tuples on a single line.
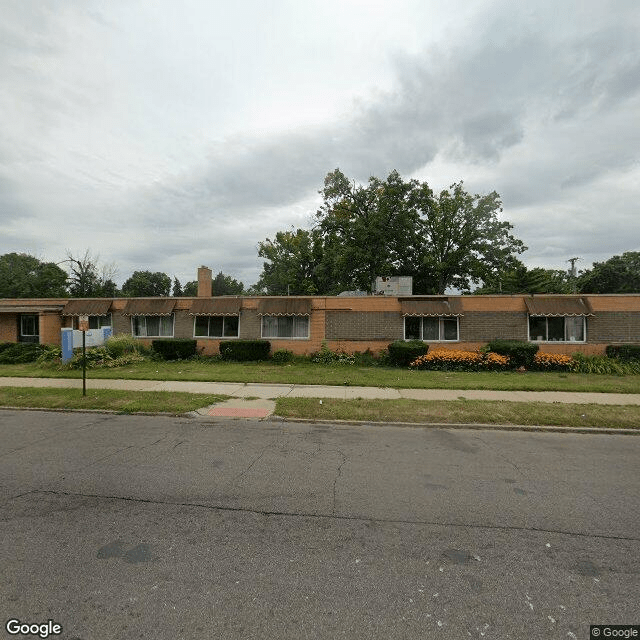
[(177, 288), (619, 274), (190, 288), (147, 284), (463, 240), (224, 285), (367, 230), (293, 260), (24, 276), (522, 280)]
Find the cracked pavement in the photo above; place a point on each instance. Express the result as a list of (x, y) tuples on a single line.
[(158, 527)]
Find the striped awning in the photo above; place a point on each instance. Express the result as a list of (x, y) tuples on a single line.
[(560, 306), (87, 308), (215, 307), (149, 307), (285, 307), (436, 308)]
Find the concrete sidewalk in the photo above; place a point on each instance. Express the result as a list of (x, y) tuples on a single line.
[(239, 391)]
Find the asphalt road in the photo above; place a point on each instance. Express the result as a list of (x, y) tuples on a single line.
[(152, 527)]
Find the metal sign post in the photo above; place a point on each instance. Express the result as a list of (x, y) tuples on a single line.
[(83, 325)]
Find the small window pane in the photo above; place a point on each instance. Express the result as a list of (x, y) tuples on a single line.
[(300, 327), (166, 326), (29, 325), (230, 327), (574, 328), (215, 326), (537, 328), (412, 328), (555, 327), (139, 326), (153, 325), (430, 328), (450, 328), (285, 326), (269, 326), (202, 326)]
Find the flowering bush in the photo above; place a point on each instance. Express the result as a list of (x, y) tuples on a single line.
[(553, 362), (458, 360)]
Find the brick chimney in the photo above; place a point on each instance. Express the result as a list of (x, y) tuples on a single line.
[(204, 282)]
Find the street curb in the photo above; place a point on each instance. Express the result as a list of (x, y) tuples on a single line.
[(106, 411), (477, 426)]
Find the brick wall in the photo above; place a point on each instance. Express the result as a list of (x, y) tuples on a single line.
[(50, 325), (8, 327), (364, 326), (483, 326), (613, 327)]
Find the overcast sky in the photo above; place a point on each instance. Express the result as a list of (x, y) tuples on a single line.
[(163, 135)]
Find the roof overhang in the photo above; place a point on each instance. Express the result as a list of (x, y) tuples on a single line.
[(558, 306), (215, 307), (149, 307), (285, 307)]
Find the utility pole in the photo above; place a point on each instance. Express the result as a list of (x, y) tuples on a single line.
[(572, 273)]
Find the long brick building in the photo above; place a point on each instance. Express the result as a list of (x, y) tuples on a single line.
[(559, 323)]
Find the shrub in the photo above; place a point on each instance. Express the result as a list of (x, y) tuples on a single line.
[(282, 356), (520, 354), (366, 359), (458, 360), (175, 349), (123, 344), (402, 353), (20, 352), (604, 365), (245, 350), (553, 362), (99, 357), (50, 353), (326, 356), (623, 351)]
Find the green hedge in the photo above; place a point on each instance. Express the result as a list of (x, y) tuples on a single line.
[(20, 352), (402, 353), (245, 350), (521, 354), (623, 351), (176, 349)]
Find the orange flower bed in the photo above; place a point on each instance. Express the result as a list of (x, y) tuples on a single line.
[(460, 360), (553, 361)]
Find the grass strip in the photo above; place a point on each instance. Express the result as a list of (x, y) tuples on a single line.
[(106, 399), (342, 375), (463, 412)]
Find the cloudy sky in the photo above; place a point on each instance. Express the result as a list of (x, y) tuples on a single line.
[(163, 135)]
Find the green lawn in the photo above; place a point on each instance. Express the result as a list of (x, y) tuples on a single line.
[(106, 399), (462, 412), (309, 373)]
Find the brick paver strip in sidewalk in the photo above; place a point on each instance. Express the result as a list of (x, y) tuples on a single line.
[(238, 412)]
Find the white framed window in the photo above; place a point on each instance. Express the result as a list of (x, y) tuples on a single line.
[(285, 326), (95, 322), (431, 328), (29, 328), (557, 328), (216, 327), (152, 326)]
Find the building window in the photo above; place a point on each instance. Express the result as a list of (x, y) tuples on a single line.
[(557, 328), (216, 327), (95, 322), (430, 328), (152, 326), (285, 326), (29, 328)]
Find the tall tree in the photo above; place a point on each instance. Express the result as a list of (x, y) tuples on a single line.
[(367, 230), (88, 278), (619, 274), (177, 288), (463, 240), (24, 276), (147, 284), (224, 285), (522, 280), (190, 288), (293, 264)]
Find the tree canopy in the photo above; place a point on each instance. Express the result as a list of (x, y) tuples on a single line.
[(89, 279), (24, 276), (520, 279), (147, 284), (619, 274), (391, 227)]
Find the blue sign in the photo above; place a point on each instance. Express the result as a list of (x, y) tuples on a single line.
[(67, 345)]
